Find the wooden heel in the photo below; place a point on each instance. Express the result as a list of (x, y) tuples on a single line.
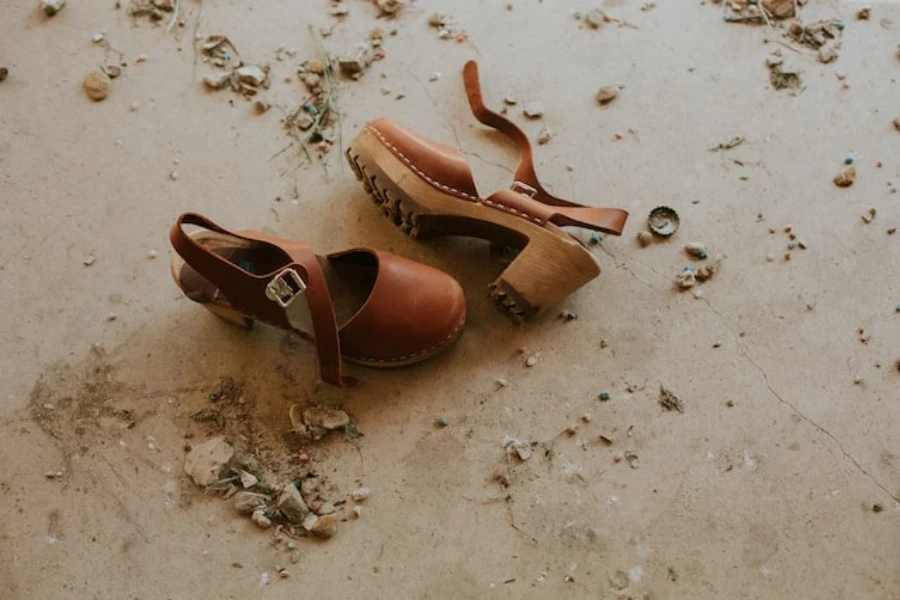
[(229, 315), (542, 275)]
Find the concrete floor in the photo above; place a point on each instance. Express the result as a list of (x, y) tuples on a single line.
[(769, 498)]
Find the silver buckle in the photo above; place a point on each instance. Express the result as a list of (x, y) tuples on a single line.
[(284, 287), (523, 188)]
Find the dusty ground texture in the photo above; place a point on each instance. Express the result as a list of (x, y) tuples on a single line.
[(764, 487)]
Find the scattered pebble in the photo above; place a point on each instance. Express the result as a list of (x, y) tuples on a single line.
[(134, 105), (96, 85), (519, 447), (112, 316), (173, 175), (205, 461), (435, 76), (568, 315), (510, 99), (846, 177), (780, 9), (51, 7), (869, 216), (644, 238), (442, 421), (217, 80), (604, 396), (531, 361), (437, 20), (357, 511), (89, 261), (535, 110), (98, 38), (501, 382), (141, 58), (697, 292), (864, 13), (669, 400), (261, 519), (389, 8), (696, 249), (324, 526), (897, 120), (545, 135), (826, 55), (360, 494), (4, 73), (686, 279), (595, 18), (607, 94)]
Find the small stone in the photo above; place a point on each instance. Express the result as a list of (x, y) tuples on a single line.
[(435, 76), (534, 110), (545, 135), (315, 65), (697, 292), (251, 75), (568, 315), (857, 380), (248, 480), (217, 80), (696, 249), (436, 20), (141, 58), (134, 105), (96, 85), (607, 94), (323, 527), (291, 504), (388, 8), (442, 422), (501, 382), (604, 396), (846, 177), (644, 238), (360, 494), (357, 511), (586, 417), (295, 557), (531, 361), (897, 123), (205, 461), (595, 18), (51, 7), (4, 73), (780, 9), (260, 107), (826, 55), (112, 316), (670, 401), (261, 519), (510, 99), (864, 13), (521, 448), (246, 503), (90, 260), (686, 279), (98, 38), (283, 573), (173, 175)]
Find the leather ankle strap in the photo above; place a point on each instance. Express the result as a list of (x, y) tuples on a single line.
[(258, 295), (610, 220)]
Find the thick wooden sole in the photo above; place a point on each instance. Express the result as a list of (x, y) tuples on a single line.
[(550, 266)]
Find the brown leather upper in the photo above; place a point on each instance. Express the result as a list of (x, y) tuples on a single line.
[(445, 168), (410, 310), (440, 165)]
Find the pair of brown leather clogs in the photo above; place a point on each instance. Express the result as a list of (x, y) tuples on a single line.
[(377, 309)]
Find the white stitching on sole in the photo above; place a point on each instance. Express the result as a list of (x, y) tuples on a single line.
[(441, 186)]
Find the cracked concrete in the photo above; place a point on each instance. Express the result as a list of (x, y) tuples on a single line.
[(781, 478)]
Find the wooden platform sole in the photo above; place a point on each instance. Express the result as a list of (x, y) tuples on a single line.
[(550, 266)]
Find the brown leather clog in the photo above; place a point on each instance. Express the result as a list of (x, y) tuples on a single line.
[(365, 306), (428, 189)]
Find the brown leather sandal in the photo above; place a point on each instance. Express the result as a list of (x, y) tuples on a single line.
[(369, 307), (427, 189)]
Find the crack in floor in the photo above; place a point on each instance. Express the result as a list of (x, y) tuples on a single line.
[(742, 350)]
